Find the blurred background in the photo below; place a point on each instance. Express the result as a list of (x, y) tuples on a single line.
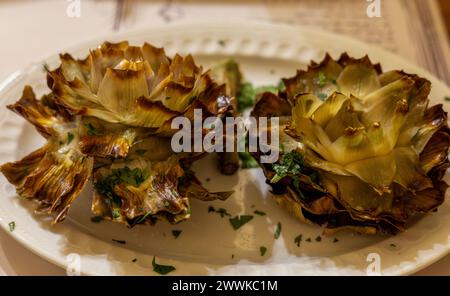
[(32, 30)]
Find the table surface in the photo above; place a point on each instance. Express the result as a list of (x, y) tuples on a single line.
[(36, 29)]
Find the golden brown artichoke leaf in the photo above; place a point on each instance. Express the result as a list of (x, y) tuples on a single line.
[(55, 174)]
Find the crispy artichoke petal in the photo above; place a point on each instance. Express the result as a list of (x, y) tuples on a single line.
[(52, 177), (34, 112)]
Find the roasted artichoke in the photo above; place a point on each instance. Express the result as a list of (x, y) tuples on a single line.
[(360, 148), (109, 116)]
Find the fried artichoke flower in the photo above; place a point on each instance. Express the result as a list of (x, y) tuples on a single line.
[(109, 116), (136, 86), (361, 148)]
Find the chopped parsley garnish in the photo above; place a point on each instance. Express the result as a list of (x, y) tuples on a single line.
[(140, 152), (134, 260), (221, 42), (238, 221), (333, 81), (335, 240), (162, 269), (176, 233), (322, 96), (45, 67), (318, 238), (96, 219), (447, 98), (247, 94), (232, 256), (70, 137), (262, 250), (92, 130), (277, 232), (116, 213), (143, 217), (119, 241), (247, 160), (260, 213), (291, 163), (322, 79), (134, 177), (393, 245), (12, 226), (223, 212), (308, 240), (298, 240)]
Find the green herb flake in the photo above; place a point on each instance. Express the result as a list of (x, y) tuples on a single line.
[(105, 185), (238, 221), (116, 213), (262, 250), (232, 256), (335, 240), (333, 81), (298, 240), (447, 98), (290, 163), (260, 213), (211, 209), (318, 238), (277, 232), (143, 217), (322, 96), (246, 96), (176, 233), (119, 241), (308, 240), (208, 179), (223, 212), (96, 219), (140, 152), (222, 42), (92, 130), (45, 67), (322, 79), (247, 161), (70, 137), (134, 260), (393, 245), (12, 226), (162, 269)]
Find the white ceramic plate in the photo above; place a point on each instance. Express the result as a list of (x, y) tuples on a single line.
[(208, 244)]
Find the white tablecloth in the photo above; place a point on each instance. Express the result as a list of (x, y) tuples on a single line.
[(32, 30)]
